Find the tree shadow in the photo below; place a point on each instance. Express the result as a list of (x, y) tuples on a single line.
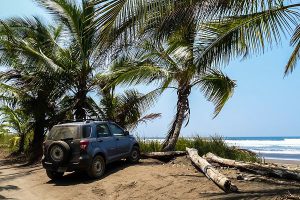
[(264, 193), (8, 177), (10, 160), (9, 187), (3, 197)]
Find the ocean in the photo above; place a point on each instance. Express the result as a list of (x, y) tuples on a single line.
[(281, 148)]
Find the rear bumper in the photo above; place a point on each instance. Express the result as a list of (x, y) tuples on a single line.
[(83, 164)]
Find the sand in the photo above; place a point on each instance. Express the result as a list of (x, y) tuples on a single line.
[(150, 179), (285, 162)]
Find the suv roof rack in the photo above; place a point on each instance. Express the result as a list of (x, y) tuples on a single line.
[(78, 120)]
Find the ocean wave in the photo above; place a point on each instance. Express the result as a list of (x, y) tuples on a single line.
[(291, 152), (292, 140), (265, 143)]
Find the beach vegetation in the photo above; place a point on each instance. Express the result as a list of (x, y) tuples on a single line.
[(204, 145)]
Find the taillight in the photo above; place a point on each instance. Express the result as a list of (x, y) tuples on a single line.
[(84, 144)]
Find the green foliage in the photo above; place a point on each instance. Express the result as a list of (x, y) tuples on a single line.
[(127, 109), (149, 145), (213, 144), (10, 142), (6, 142), (4, 139)]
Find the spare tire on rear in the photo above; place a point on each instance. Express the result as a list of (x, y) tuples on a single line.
[(58, 152)]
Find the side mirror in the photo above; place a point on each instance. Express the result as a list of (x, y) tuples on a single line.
[(126, 133)]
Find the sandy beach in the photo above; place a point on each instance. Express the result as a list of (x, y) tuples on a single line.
[(150, 179)]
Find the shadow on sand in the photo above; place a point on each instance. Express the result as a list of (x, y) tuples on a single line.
[(8, 177), (75, 178), (255, 194), (7, 187)]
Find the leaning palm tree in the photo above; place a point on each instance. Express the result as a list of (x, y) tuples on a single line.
[(174, 65)]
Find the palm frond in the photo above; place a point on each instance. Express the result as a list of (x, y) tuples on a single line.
[(217, 88), (144, 119), (136, 73), (224, 40), (295, 41)]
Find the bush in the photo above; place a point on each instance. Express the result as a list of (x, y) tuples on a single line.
[(147, 145), (214, 144), (5, 143), (10, 142)]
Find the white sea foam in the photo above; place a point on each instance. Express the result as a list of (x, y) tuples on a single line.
[(265, 143), (292, 152), (285, 149)]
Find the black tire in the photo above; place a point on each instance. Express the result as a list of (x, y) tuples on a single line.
[(53, 175), (97, 168), (135, 155), (58, 152)]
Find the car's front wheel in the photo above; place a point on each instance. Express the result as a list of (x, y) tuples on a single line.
[(53, 175), (135, 155), (97, 167)]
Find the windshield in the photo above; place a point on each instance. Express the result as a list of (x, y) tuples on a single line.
[(63, 132)]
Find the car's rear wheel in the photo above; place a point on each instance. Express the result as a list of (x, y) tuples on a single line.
[(58, 152), (135, 155), (97, 167), (54, 175)]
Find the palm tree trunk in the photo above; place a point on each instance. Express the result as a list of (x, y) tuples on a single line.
[(81, 97), (182, 109), (36, 149), (21, 144)]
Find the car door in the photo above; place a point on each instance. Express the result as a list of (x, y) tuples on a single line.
[(106, 142), (123, 142)]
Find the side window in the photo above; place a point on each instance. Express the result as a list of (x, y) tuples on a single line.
[(102, 131), (116, 131), (86, 131)]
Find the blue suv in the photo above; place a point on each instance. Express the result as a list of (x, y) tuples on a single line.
[(87, 146)]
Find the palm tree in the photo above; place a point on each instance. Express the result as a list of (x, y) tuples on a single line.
[(84, 55), (31, 78), (127, 109), (222, 31), (242, 27), (18, 122), (174, 65)]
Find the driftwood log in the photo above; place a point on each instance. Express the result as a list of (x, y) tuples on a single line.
[(262, 169), (163, 155), (211, 173)]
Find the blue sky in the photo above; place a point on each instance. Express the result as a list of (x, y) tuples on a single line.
[(264, 103)]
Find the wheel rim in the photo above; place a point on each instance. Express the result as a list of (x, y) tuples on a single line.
[(56, 153), (98, 166), (134, 155)]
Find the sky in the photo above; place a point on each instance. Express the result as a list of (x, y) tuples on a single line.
[(265, 103)]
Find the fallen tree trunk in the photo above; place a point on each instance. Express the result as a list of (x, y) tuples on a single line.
[(211, 173), (262, 169), (163, 155)]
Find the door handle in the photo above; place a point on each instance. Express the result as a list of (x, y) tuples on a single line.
[(99, 140)]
